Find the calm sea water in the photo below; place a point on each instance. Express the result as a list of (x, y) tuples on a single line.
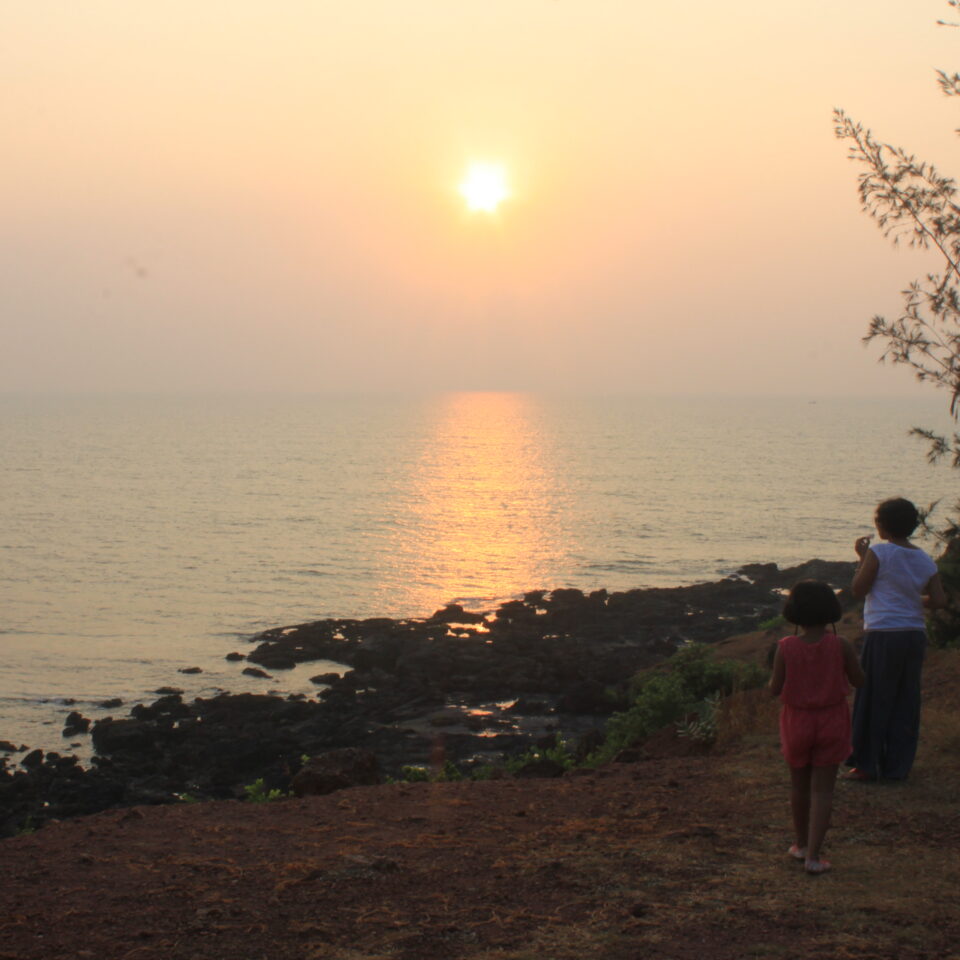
[(139, 536)]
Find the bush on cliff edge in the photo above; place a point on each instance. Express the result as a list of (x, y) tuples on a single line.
[(672, 691)]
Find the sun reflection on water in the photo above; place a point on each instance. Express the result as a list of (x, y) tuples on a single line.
[(484, 515)]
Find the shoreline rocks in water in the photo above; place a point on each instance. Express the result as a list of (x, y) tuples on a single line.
[(457, 686)]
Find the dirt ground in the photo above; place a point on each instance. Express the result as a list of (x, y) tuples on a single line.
[(670, 857)]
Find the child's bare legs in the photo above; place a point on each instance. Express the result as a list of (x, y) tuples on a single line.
[(800, 804), (811, 802), (821, 784)]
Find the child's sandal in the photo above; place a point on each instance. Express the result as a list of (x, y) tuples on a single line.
[(816, 867), (798, 853)]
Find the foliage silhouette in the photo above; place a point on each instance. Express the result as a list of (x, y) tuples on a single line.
[(912, 202), (691, 682)]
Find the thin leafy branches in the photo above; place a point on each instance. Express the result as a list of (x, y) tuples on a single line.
[(913, 203), (910, 200)]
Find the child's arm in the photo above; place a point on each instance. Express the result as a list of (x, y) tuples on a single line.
[(866, 572), (779, 674), (851, 664), (934, 596)]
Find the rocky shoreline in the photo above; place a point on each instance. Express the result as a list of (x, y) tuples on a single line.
[(465, 687)]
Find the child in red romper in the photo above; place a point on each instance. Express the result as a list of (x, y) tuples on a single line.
[(812, 673)]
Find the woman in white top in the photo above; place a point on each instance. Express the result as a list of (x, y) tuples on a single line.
[(899, 583)]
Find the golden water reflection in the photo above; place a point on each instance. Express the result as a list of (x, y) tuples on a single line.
[(484, 517)]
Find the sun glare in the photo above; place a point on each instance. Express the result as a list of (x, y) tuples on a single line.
[(485, 187)]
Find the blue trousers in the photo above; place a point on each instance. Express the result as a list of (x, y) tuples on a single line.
[(886, 710)]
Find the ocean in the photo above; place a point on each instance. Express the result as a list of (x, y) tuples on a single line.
[(140, 536)]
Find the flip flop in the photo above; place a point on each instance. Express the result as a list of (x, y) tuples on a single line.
[(858, 775), (816, 867), (798, 853)]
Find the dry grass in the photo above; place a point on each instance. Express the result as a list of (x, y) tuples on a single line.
[(679, 857)]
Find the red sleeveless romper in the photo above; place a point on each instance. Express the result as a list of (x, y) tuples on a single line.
[(815, 717)]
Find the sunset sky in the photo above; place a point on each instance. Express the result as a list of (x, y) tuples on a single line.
[(242, 195)]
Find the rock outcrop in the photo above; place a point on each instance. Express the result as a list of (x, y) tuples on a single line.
[(550, 662)]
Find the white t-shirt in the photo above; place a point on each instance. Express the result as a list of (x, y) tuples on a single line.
[(895, 599)]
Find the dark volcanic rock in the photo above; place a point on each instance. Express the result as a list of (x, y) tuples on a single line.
[(587, 697), (336, 770), (326, 678), (170, 707), (526, 707), (542, 767), (564, 654), (272, 662), (117, 736), (75, 724), (454, 613)]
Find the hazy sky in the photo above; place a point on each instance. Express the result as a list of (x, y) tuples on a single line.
[(243, 195)]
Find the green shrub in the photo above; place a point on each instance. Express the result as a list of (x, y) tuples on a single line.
[(257, 792), (485, 772), (448, 773), (559, 754), (412, 774), (943, 626), (704, 674), (703, 726), (27, 826), (685, 684)]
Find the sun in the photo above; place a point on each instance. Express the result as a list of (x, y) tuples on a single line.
[(484, 187)]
